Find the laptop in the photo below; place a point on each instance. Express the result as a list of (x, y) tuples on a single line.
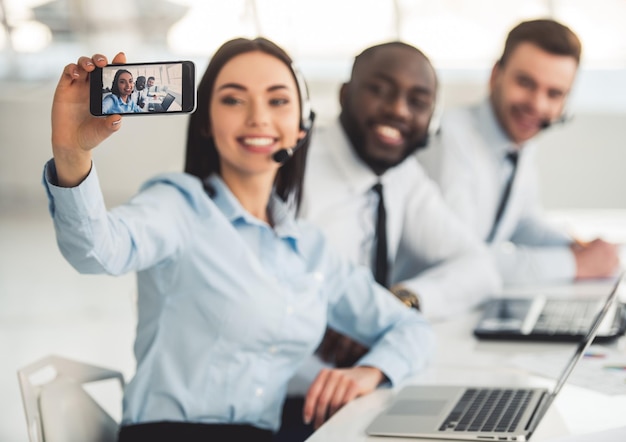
[(505, 413), (162, 106), (545, 319)]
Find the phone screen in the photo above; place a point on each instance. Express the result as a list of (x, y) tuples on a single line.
[(143, 88)]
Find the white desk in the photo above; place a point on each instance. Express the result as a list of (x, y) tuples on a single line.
[(464, 360)]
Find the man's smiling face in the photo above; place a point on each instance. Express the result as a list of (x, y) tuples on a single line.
[(530, 90), (388, 104)]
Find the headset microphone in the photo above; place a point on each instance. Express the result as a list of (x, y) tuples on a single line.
[(545, 124), (307, 117), (282, 155)]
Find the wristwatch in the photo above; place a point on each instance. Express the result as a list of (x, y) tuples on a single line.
[(409, 298)]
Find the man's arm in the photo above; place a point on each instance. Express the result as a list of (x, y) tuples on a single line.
[(521, 264), (439, 259), (541, 252)]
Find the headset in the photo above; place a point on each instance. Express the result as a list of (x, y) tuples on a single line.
[(307, 117), (434, 126), (566, 116), (435, 120)]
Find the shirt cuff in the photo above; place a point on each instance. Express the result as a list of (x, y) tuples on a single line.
[(72, 203), (397, 365), (521, 265), (390, 368)]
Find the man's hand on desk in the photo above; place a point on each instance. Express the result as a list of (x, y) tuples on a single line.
[(333, 388), (595, 259), (340, 350)]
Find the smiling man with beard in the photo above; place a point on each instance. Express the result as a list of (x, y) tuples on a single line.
[(429, 259), (483, 160), (386, 110)]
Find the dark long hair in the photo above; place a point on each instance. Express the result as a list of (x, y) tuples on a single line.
[(115, 89), (202, 158)]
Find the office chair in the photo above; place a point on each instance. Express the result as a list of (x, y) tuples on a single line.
[(58, 408)]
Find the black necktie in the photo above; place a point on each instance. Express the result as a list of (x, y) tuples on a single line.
[(381, 264), (512, 157)]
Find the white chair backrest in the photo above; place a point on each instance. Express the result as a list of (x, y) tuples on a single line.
[(56, 405)]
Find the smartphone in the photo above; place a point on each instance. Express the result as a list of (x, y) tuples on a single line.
[(154, 88)]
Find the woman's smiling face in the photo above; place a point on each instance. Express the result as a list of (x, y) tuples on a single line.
[(255, 111), (125, 84)]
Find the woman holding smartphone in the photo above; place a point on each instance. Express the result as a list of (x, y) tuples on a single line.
[(119, 101), (233, 292)]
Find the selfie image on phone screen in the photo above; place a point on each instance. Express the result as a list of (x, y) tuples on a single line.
[(149, 88)]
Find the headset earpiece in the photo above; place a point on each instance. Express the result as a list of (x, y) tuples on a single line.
[(435, 120)]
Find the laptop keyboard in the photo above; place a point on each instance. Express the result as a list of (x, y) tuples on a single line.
[(566, 317), (488, 410)]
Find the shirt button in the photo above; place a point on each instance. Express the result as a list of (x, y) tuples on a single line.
[(259, 392), (289, 310)]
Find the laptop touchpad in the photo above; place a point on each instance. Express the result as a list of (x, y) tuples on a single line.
[(417, 407)]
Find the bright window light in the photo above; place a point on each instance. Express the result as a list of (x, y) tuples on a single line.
[(204, 29), (304, 29), (3, 37), (455, 34), (30, 36), (459, 36)]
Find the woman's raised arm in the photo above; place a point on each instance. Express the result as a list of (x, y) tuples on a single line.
[(74, 130)]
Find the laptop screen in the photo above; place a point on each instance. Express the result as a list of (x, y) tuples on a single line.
[(167, 101), (581, 348)]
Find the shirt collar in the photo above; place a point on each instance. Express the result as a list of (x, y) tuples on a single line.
[(357, 174), (120, 102), (282, 214), (495, 136)]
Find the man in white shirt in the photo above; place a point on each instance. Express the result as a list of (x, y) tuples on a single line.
[(151, 88), (486, 148), (432, 261), (139, 95), (386, 110)]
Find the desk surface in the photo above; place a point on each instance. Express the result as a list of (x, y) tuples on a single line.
[(464, 360)]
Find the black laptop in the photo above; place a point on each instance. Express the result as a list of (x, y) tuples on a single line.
[(163, 106), (544, 318)]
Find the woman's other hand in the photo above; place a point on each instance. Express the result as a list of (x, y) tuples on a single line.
[(333, 388)]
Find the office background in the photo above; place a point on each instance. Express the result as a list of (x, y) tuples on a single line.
[(45, 307)]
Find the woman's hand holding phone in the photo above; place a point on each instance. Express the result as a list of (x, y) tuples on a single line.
[(167, 88), (74, 130)]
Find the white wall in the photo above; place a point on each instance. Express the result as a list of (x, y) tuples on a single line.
[(581, 163)]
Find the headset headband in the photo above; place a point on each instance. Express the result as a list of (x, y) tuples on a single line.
[(306, 115)]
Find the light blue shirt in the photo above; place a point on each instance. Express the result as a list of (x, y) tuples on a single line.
[(228, 306), (112, 104)]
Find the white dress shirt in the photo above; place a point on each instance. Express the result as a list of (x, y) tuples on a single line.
[(467, 160), (152, 90), (140, 96), (430, 251)]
